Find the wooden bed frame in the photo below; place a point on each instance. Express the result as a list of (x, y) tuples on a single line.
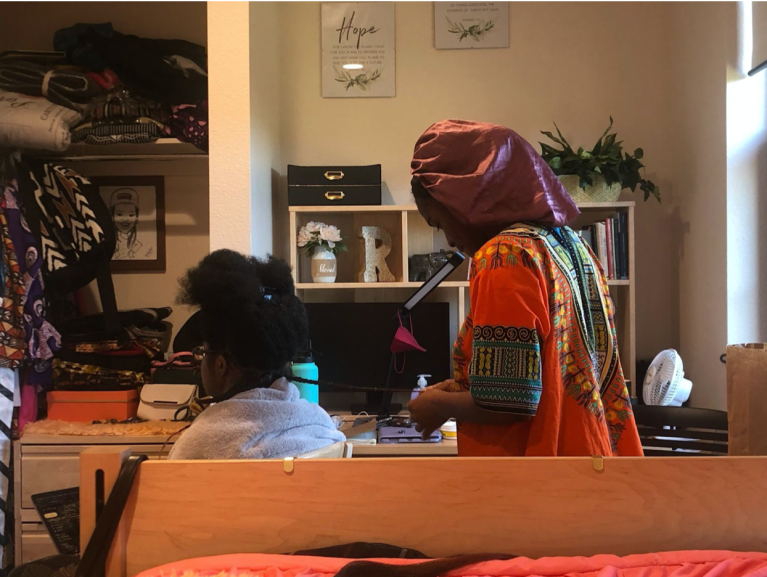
[(525, 506)]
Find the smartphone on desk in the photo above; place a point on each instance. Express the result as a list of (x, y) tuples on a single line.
[(394, 421), (359, 421), (399, 435)]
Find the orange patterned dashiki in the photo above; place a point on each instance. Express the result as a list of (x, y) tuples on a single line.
[(540, 342)]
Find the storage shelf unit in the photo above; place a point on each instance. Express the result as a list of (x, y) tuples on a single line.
[(163, 149), (411, 235)]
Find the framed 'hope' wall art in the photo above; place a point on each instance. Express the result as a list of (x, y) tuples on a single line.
[(358, 57)]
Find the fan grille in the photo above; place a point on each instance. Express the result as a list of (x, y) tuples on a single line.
[(663, 378)]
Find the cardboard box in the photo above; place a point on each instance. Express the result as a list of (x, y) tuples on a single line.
[(87, 406)]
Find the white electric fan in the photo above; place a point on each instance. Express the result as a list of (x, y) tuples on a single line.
[(664, 383)]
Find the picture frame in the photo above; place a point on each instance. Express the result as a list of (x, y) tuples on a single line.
[(471, 25), (358, 49), (137, 206)]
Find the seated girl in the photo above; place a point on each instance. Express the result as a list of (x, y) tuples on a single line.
[(252, 325)]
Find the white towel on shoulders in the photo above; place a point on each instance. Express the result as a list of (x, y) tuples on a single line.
[(268, 423)]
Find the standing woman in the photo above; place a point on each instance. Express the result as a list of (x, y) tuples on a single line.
[(536, 362)]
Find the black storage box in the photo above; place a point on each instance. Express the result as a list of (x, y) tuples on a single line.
[(334, 185)]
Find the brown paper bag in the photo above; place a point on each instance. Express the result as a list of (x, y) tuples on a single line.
[(747, 399)]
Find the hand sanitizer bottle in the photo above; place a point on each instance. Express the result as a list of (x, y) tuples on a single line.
[(422, 383)]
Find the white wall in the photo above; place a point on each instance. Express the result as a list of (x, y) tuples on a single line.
[(699, 172), (265, 116), (245, 115), (573, 63), (229, 98)]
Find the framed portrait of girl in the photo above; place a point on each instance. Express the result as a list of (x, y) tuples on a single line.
[(137, 206)]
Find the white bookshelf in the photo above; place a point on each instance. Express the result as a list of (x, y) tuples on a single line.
[(411, 235), (623, 292)]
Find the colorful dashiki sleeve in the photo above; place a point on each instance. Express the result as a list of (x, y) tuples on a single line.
[(510, 321)]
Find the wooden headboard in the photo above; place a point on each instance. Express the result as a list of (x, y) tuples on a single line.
[(525, 506)]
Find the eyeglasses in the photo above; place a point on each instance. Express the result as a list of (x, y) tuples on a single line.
[(199, 354)]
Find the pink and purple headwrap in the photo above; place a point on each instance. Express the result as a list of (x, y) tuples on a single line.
[(489, 177)]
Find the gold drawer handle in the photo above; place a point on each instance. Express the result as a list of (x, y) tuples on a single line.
[(334, 175), (336, 195)]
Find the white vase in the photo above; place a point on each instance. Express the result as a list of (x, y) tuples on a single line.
[(324, 265)]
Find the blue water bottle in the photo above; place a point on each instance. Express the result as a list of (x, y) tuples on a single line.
[(303, 366)]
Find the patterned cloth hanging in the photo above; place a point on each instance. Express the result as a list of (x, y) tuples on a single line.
[(25, 336), (8, 382), (42, 339), (12, 349), (12, 335)]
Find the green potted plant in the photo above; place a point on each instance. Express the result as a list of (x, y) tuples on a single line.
[(599, 174)]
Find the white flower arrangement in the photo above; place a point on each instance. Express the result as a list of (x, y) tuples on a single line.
[(318, 234)]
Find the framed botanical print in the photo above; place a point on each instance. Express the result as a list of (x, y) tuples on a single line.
[(470, 25), (137, 207)]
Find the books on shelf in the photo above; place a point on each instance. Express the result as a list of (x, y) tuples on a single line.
[(608, 240), (602, 244)]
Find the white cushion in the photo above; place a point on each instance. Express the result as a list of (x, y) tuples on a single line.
[(35, 123)]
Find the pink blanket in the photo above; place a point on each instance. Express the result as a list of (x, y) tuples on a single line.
[(672, 564)]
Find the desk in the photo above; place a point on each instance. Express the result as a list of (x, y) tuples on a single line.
[(445, 448)]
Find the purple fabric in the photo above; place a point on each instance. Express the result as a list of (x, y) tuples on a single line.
[(42, 339), (28, 408), (189, 123), (489, 177)]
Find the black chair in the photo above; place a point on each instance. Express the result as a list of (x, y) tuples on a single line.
[(681, 431)]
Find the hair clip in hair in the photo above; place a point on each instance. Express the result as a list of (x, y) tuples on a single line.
[(267, 292)]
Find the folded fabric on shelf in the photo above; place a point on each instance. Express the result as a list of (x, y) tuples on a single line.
[(69, 376), (89, 361), (155, 336), (121, 117), (115, 364), (189, 123), (107, 79), (171, 71), (30, 122), (68, 88), (135, 360), (67, 40), (87, 329)]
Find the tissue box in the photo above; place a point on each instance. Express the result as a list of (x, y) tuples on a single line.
[(334, 185)]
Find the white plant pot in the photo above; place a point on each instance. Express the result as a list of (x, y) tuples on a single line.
[(597, 192), (324, 266)]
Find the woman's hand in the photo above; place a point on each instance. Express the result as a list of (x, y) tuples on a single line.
[(430, 410), (449, 386), (435, 406)]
